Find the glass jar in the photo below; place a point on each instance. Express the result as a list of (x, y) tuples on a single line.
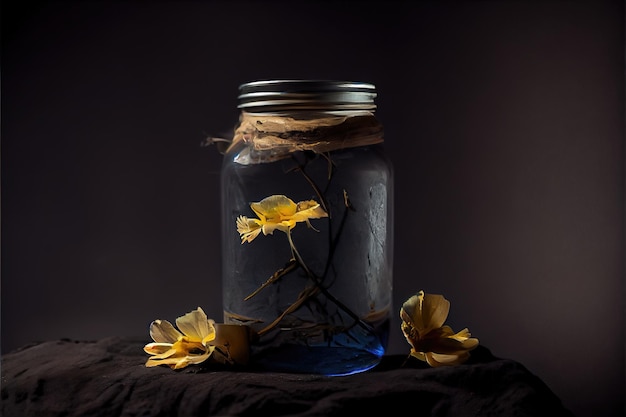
[(307, 207)]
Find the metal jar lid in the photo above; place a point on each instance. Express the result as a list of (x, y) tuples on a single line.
[(314, 95)]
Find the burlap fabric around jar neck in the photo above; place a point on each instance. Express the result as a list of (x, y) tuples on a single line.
[(269, 138)]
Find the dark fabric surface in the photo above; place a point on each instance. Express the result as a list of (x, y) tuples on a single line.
[(108, 378)]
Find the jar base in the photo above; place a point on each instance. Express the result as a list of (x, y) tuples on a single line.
[(328, 361)]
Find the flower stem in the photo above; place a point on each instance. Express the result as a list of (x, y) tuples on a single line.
[(290, 266)]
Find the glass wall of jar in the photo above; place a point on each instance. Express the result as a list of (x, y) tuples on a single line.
[(307, 207)]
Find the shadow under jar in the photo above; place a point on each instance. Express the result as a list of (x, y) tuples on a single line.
[(307, 207)]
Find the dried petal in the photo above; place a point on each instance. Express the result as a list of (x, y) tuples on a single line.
[(195, 325), (162, 331)]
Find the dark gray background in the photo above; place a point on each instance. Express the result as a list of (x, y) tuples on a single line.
[(504, 120)]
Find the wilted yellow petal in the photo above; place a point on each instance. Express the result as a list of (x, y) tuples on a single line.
[(434, 310), (404, 315), (178, 362), (419, 355), (159, 348), (171, 352), (411, 334), (162, 331), (462, 335), (209, 338), (248, 228), (309, 210), (194, 325), (275, 208), (150, 363), (284, 226), (425, 312), (436, 359)]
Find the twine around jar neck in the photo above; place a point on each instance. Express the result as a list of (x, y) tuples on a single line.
[(272, 137)]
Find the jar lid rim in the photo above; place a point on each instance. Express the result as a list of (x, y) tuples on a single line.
[(293, 94), (294, 85)]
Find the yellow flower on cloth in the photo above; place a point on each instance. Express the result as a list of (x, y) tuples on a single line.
[(277, 212), (176, 349), (423, 317)]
